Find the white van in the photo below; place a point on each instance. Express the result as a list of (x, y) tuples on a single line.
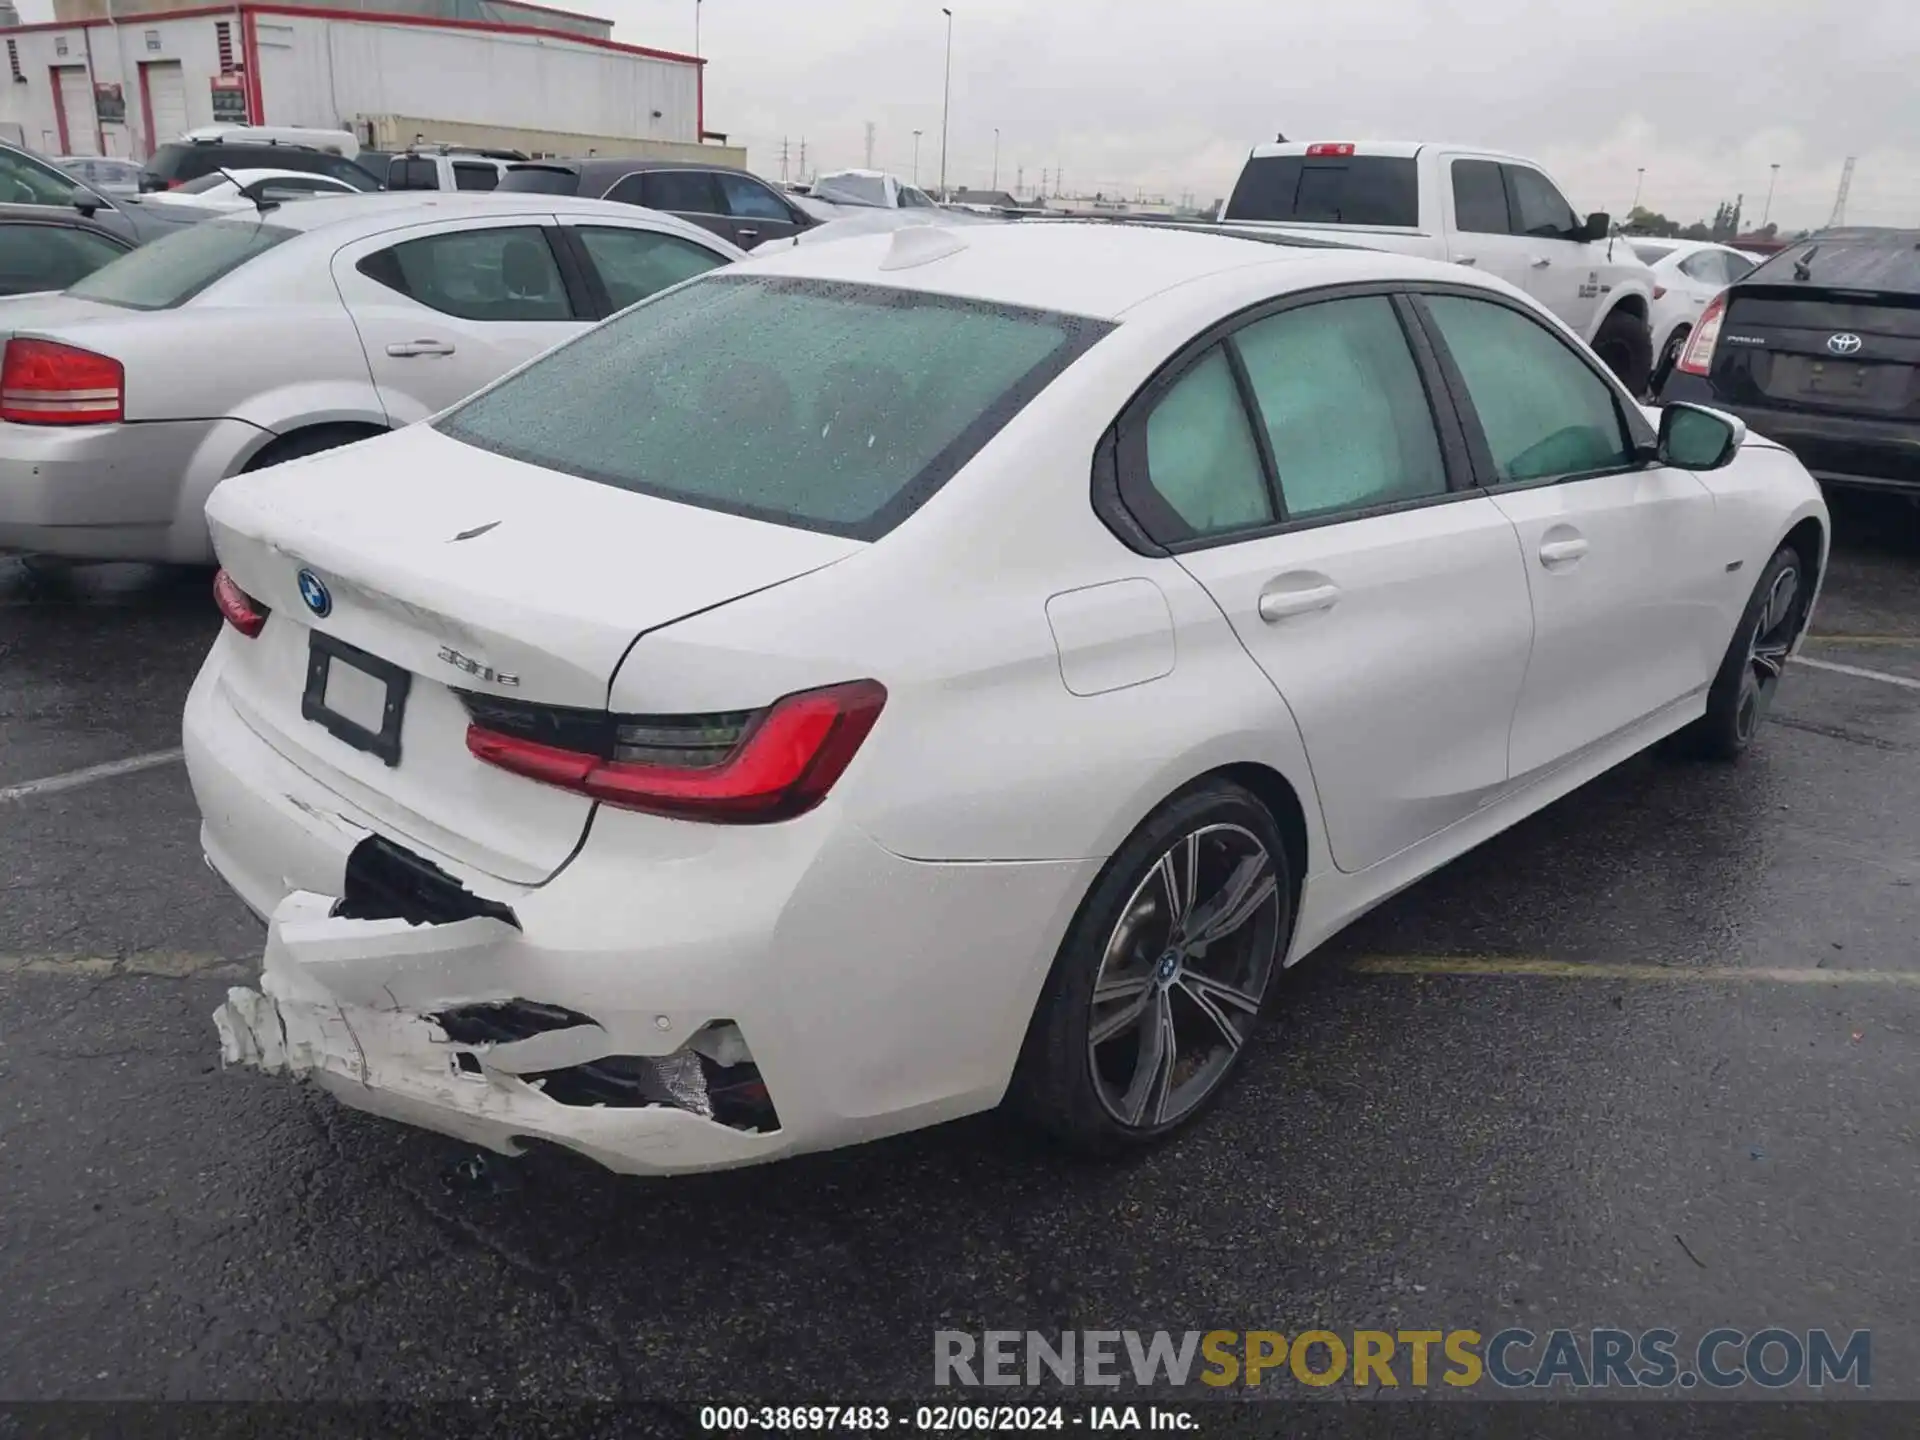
[(336, 142)]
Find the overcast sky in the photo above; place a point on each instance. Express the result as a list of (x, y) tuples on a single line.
[(1124, 94)]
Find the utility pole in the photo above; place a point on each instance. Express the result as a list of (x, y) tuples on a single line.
[(996, 159), (1640, 179), (696, 29), (1839, 215), (946, 105), (1020, 180), (783, 159), (869, 144), (1772, 180), (916, 158), (803, 159)]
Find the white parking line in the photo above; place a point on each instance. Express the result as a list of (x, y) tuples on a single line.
[(1528, 967), (1905, 682), (75, 778)]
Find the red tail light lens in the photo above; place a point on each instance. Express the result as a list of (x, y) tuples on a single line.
[(1697, 358), (45, 383), (1329, 149), (745, 767), (242, 611), (1659, 292)]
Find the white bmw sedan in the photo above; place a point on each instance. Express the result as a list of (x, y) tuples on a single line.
[(875, 681), (248, 340)]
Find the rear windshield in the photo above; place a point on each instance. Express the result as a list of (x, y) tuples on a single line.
[(175, 268), (178, 161), (852, 189), (1886, 262), (540, 180), (1649, 254), (825, 406), (1336, 190)]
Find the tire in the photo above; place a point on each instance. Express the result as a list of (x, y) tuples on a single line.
[(310, 441), (1105, 1095), (1625, 344), (1749, 675), (1669, 357)]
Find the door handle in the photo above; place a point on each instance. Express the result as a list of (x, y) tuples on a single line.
[(1466, 259), (746, 234), (1276, 605), (1541, 262), (408, 348), (1562, 552)]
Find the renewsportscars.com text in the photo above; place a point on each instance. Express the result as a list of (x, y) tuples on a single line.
[(1513, 1359)]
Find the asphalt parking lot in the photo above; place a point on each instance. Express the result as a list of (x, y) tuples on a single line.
[(1649, 1059)]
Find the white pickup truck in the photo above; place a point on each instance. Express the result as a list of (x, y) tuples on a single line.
[(1498, 213)]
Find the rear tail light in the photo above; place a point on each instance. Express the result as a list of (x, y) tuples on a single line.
[(242, 611), (1329, 149), (45, 383), (1697, 359), (1659, 292), (740, 767)]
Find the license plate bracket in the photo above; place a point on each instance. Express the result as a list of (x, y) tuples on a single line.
[(323, 652)]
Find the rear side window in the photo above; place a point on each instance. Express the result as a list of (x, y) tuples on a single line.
[(412, 172), (748, 199), (175, 268), (1338, 190), (634, 264), (1479, 198), (501, 274), (1345, 412), (1202, 460), (469, 176), (1543, 411), (686, 192), (540, 180), (825, 406)]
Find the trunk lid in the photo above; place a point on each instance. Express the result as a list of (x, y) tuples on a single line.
[(466, 570), (50, 311)]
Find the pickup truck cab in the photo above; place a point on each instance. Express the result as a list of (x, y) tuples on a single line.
[(1499, 213)]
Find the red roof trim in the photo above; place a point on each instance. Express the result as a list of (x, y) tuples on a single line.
[(370, 17)]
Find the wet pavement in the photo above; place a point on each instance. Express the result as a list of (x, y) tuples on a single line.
[(1482, 1106)]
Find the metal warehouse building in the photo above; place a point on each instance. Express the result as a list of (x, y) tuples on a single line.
[(472, 71)]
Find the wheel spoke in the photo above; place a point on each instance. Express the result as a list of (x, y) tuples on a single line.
[(1770, 661), (1179, 887), (1219, 993), (1250, 887), (1207, 1006), (1146, 1097), (1123, 1019)]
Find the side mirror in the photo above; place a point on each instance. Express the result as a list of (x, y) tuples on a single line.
[(1599, 226), (1693, 437), (87, 203)]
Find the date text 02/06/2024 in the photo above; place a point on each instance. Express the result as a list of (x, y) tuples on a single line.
[(941, 1419)]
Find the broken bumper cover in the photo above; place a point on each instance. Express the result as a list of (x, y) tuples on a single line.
[(873, 994)]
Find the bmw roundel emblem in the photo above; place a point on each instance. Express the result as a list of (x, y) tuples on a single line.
[(313, 590)]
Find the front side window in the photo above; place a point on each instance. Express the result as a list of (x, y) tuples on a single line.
[(634, 264), (1202, 460), (24, 183), (500, 274), (1479, 198), (50, 257), (1345, 412), (1538, 208), (825, 406), (1543, 411), (173, 269), (750, 200)]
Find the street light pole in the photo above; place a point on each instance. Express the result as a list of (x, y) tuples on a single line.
[(1640, 179), (946, 105), (696, 29), (1768, 213), (916, 159), (996, 158)]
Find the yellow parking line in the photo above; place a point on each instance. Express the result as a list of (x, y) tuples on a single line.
[(1521, 966), (172, 964)]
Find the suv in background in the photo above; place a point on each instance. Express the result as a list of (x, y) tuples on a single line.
[(1818, 350), (731, 203), (448, 167), (179, 161)]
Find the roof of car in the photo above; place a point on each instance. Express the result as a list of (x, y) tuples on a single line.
[(370, 213), (1095, 268), (616, 166), (1404, 149)]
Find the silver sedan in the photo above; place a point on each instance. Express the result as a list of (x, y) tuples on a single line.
[(258, 337)]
